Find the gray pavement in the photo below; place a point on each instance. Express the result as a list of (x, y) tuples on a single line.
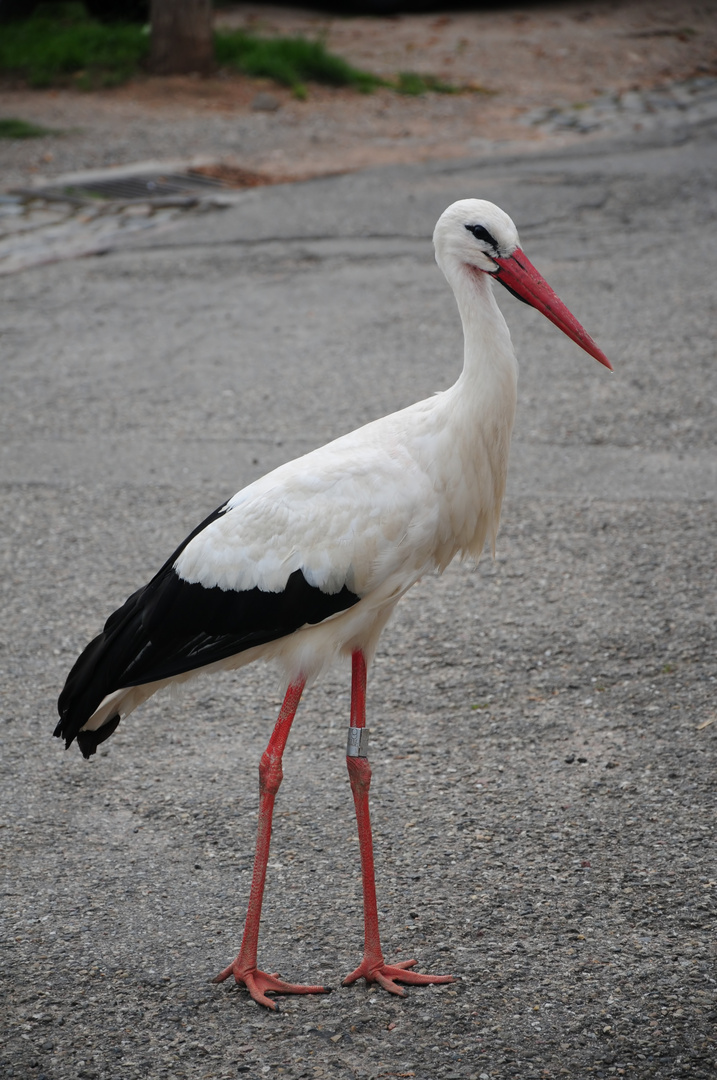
[(543, 726)]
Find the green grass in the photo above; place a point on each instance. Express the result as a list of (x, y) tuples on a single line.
[(290, 61), (410, 82), (62, 45), (295, 61), (12, 128)]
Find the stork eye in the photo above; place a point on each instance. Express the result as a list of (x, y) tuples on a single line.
[(482, 233)]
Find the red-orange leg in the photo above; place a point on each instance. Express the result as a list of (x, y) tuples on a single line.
[(244, 968), (373, 967)]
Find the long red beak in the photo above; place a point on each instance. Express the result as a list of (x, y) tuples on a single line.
[(521, 278)]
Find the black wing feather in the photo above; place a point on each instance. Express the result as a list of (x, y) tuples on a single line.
[(171, 626)]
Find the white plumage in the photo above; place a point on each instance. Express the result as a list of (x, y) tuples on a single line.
[(309, 562)]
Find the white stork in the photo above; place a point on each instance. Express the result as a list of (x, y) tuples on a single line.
[(309, 562)]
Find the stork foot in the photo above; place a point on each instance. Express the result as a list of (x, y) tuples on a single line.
[(389, 975), (259, 983)]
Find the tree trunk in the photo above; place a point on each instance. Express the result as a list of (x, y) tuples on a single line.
[(181, 41)]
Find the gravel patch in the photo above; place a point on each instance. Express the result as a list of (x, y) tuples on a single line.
[(542, 57), (543, 726), (693, 101)]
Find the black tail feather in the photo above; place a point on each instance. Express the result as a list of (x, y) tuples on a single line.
[(98, 672), (172, 626), (99, 669), (88, 741)]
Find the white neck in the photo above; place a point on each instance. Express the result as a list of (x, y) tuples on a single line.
[(482, 402), (488, 351)]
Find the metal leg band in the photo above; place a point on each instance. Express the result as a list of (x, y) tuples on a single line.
[(357, 743)]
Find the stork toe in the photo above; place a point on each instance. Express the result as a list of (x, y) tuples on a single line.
[(260, 983), (389, 975)]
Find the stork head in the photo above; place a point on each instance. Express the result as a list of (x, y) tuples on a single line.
[(477, 237)]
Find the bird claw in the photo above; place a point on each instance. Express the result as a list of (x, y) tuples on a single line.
[(259, 983), (388, 975)]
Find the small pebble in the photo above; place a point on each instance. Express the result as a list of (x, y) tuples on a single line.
[(265, 102)]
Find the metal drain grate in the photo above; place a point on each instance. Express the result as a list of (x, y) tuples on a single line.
[(145, 186), (201, 185)]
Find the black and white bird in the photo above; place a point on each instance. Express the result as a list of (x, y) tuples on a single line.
[(308, 563)]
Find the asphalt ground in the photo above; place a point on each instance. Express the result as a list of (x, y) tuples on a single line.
[(543, 726)]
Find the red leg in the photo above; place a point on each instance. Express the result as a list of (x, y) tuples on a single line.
[(244, 968), (373, 967)]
